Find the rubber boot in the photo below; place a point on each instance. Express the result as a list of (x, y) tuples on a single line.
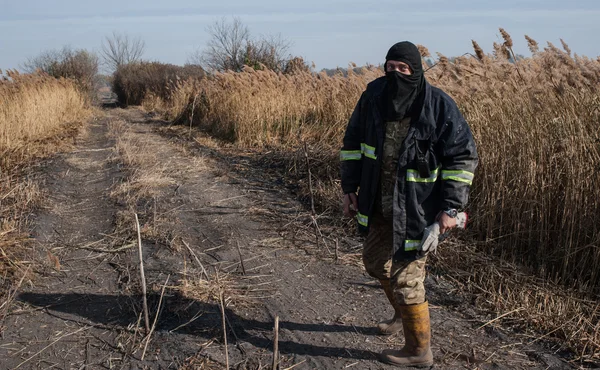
[(417, 333), (393, 325)]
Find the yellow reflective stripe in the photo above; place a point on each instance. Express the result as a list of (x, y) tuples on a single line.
[(459, 179), (362, 219), (411, 245), (354, 155), (350, 155), (458, 175), (368, 151), (413, 176), (457, 172)]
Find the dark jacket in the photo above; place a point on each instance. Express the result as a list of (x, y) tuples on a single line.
[(435, 168)]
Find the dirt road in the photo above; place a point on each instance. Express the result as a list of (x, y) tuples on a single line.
[(202, 210)]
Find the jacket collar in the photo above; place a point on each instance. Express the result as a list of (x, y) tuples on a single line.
[(425, 125)]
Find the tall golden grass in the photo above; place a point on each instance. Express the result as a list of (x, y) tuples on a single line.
[(261, 107), (535, 199), (36, 113), (34, 107)]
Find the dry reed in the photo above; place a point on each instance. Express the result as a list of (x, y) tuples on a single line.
[(34, 108), (267, 108)]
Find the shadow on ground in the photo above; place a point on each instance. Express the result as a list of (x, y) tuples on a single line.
[(185, 316)]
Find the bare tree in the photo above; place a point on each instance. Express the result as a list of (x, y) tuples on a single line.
[(119, 49), (230, 47), (78, 64), (42, 62), (226, 47)]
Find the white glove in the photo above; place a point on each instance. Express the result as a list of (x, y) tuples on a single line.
[(431, 238)]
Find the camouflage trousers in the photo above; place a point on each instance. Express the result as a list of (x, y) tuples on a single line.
[(406, 277)]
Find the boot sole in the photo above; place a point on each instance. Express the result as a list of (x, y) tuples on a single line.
[(387, 334), (418, 365)]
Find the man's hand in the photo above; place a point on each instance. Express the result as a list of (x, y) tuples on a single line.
[(446, 222), (350, 205)]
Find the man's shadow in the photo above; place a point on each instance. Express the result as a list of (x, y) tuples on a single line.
[(182, 315)]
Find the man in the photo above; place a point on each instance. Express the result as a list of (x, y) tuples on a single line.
[(412, 155)]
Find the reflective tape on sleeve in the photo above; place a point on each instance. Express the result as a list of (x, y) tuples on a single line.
[(368, 151), (458, 175), (362, 219), (355, 155), (350, 155), (411, 245)]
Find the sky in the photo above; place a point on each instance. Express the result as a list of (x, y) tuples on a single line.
[(330, 33)]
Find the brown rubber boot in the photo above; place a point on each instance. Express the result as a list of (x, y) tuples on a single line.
[(417, 333), (393, 325)]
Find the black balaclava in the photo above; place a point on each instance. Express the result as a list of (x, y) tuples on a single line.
[(403, 95)]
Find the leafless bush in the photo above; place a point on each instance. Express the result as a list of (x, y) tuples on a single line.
[(119, 49), (77, 64), (231, 47), (226, 47)]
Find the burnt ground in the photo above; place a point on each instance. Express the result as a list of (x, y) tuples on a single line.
[(83, 310)]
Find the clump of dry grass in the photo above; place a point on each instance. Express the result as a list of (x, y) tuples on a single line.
[(149, 173), (541, 310), (17, 197), (238, 291), (200, 363), (34, 108)]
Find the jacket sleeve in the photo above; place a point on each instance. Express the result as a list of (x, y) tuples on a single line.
[(351, 154), (459, 159)]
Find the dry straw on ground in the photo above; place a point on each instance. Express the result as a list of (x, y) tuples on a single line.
[(535, 199)]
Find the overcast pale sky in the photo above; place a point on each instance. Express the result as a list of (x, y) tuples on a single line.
[(329, 33)]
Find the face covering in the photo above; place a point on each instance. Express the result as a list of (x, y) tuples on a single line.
[(403, 95)]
